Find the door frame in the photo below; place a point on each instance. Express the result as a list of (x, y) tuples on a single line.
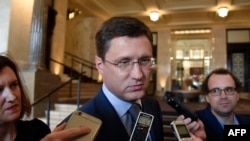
[(243, 48)]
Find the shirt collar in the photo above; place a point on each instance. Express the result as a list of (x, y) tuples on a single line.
[(121, 106), (236, 122)]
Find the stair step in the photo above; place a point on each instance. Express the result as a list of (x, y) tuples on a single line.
[(87, 90), (60, 113), (65, 107)]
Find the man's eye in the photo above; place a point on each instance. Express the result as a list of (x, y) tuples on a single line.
[(229, 89), (215, 90), (124, 62), (144, 60)]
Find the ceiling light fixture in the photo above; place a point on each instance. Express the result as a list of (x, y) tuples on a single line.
[(154, 16), (222, 12)]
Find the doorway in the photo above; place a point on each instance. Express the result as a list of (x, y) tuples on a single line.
[(238, 61)]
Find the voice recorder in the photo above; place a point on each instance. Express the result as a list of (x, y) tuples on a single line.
[(180, 130), (142, 127)]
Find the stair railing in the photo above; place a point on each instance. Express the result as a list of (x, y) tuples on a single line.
[(88, 66), (71, 75), (52, 92), (47, 96)]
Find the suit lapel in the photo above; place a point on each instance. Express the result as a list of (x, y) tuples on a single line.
[(112, 125)]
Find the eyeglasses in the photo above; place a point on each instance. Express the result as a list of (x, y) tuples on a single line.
[(127, 65), (227, 91)]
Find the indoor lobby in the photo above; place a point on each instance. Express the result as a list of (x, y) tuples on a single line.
[(51, 38)]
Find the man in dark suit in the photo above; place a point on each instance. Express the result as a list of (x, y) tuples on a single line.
[(125, 61), (222, 94)]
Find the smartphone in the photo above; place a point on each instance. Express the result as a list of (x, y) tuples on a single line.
[(180, 130), (181, 109), (79, 118), (142, 127)]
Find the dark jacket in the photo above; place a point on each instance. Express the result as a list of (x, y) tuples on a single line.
[(213, 129), (31, 130), (112, 128)]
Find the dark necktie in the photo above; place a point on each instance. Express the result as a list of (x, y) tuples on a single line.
[(133, 113)]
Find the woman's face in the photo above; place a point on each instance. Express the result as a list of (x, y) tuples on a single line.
[(10, 96)]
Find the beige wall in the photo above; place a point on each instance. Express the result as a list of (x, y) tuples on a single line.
[(80, 37), (163, 59), (219, 51), (59, 35), (19, 31), (5, 7)]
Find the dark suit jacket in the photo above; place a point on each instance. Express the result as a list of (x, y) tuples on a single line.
[(213, 128), (112, 128)]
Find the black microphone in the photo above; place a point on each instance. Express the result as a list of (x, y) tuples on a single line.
[(181, 109)]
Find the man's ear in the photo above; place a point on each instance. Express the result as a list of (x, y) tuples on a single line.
[(207, 99), (99, 64)]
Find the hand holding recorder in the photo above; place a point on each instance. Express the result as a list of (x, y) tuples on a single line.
[(180, 130), (193, 124)]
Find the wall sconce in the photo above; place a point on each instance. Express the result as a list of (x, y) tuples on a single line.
[(72, 13), (222, 12), (154, 16), (99, 79), (163, 82)]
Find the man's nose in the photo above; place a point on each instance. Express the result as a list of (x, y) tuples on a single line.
[(136, 71), (223, 93)]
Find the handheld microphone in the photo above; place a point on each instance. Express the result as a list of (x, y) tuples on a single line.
[(181, 109)]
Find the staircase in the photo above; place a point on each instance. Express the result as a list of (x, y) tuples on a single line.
[(66, 103), (87, 91), (60, 112)]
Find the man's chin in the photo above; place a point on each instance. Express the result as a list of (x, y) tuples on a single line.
[(136, 95)]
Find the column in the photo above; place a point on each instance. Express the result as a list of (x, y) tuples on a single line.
[(38, 35)]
